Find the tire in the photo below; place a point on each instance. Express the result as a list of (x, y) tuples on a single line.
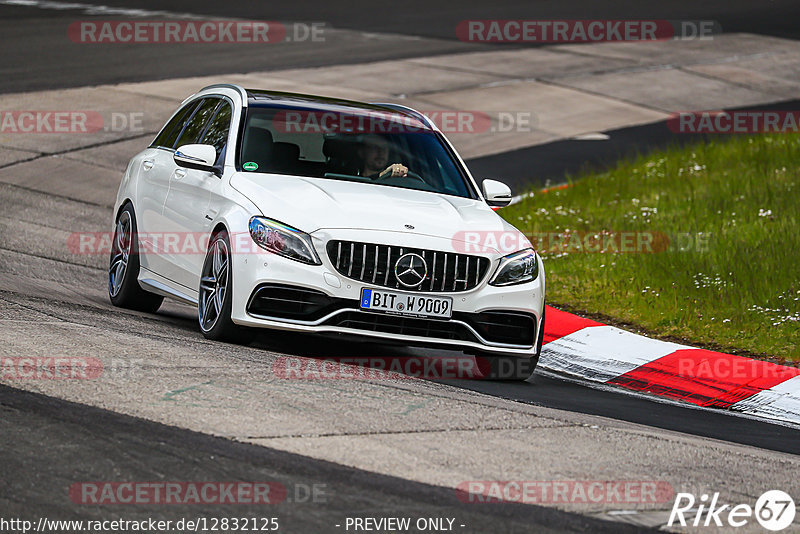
[(215, 295), (124, 290)]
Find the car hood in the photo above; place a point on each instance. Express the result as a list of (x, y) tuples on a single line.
[(311, 204)]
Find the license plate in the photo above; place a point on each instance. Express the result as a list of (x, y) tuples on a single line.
[(395, 303)]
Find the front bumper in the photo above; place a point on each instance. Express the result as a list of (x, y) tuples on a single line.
[(274, 292)]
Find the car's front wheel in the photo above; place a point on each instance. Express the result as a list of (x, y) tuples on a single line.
[(216, 294), (123, 269)]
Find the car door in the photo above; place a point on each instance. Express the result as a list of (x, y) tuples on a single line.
[(156, 168), (188, 202)]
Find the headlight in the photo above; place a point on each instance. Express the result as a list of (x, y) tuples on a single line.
[(516, 268), (283, 240)]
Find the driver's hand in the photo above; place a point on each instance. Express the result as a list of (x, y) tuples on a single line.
[(396, 169)]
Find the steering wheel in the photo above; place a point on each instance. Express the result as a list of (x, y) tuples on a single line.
[(409, 174), (416, 176)]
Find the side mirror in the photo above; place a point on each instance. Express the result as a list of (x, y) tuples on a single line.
[(497, 194), (200, 157)]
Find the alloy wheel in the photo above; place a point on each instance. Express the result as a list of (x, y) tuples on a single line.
[(213, 284), (120, 253)]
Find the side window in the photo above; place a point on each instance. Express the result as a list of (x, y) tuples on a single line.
[(191, 132), (217, 131), (169, 133)]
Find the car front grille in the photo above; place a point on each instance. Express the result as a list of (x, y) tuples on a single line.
[(374, 264)]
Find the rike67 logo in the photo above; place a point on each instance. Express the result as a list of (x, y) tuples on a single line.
[(774, 510)]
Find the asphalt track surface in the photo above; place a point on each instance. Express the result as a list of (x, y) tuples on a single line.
[(438, 19), (37, 477), (37, 54), (45, 441)]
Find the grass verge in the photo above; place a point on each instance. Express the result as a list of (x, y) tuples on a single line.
[(698, 243)]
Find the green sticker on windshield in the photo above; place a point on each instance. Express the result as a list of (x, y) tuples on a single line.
[(250, 166)]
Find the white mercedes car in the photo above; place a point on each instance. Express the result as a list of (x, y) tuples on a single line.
[(296, 212)]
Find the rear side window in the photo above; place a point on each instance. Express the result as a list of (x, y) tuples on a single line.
[(191, 132), (216, 134), (169, 134)]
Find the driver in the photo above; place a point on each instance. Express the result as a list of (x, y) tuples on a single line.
[(374, 154)]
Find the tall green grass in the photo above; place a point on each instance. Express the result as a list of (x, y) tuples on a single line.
[(730, 277)]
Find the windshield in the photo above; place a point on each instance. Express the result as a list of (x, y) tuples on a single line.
[(372, 147)]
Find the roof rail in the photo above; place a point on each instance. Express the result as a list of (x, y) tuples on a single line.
[(237, 88), (417, 114)]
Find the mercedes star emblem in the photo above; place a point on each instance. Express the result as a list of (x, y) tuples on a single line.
[(410, 270)]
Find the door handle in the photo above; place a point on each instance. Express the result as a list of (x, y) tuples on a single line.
[(179, 174), (148, 164)]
